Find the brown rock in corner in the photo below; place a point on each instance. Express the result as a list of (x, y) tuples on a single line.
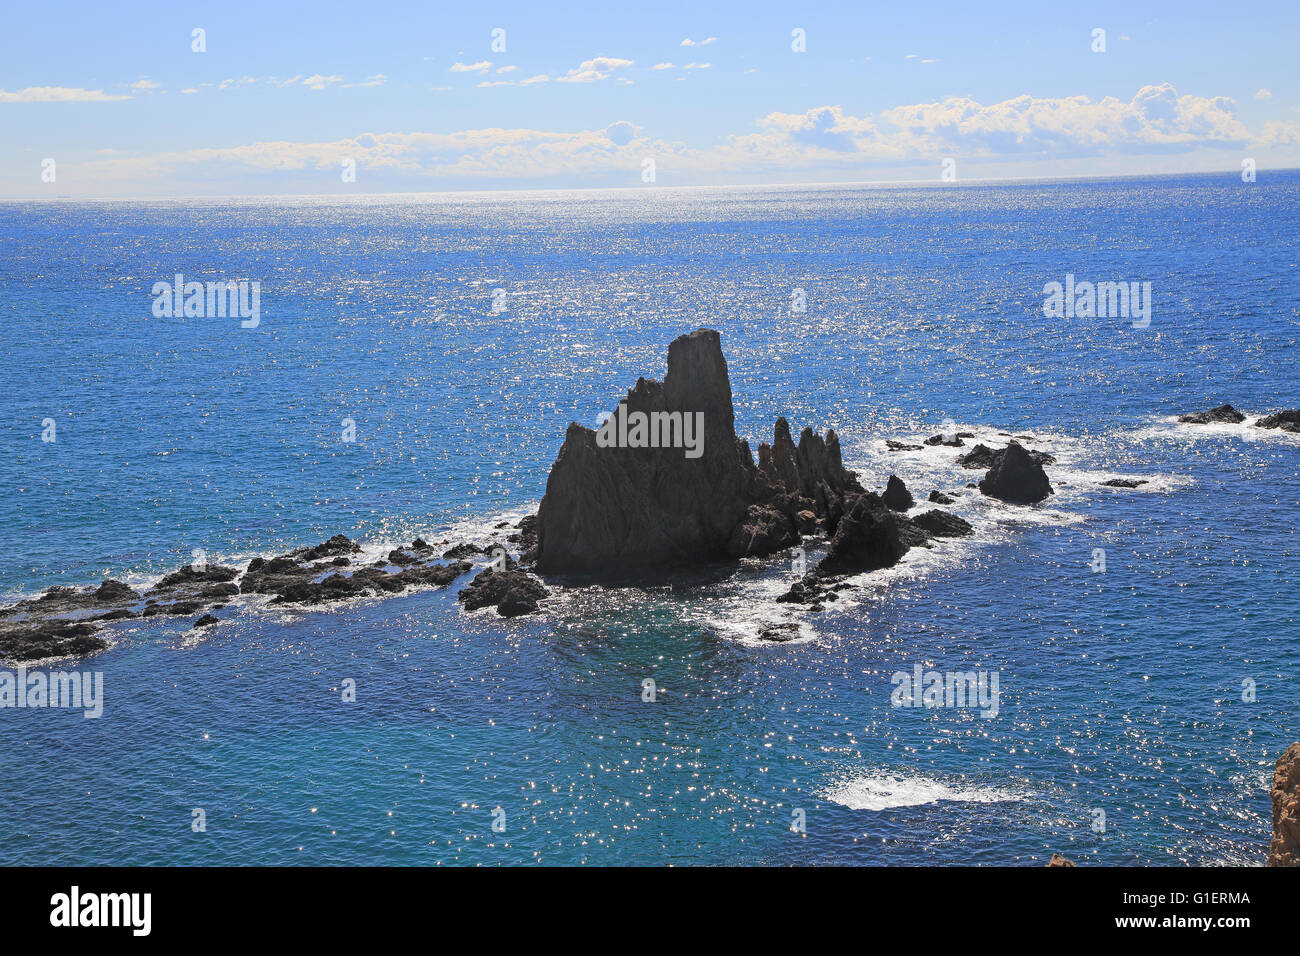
[(1058, 860), (1285, 848)]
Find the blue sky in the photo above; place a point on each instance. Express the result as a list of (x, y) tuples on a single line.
[(585, 94)]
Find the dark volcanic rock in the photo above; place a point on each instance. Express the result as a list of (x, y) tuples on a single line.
[(433, 575), (869, 537), (190, 576), (512, 592), (34, 640), (338, 545), (1016, 478), (896, 494), (609, 509), (175, 608), (779, 632), (1284, 850), (939, 498), (810, 476), (951, 441), (117, 614), (764, 530), (369, 581), (1124, 482), (115, 592), (982, 456), (893, 445), (941, 524), (467, 550), (526, 537), (804, 591), (1288, 421), (41, 627), (332, 588), (1224, 414), (204, 621)]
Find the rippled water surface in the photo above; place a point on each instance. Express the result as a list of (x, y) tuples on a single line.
[(1120, 691)]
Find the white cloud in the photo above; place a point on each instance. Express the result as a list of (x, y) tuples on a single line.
[(144, 84), (1155, 121), (697, 66), (319, 81), (597, 68), (379, 79), (705, 42), (507, 69), (497, 83), (1263, 95), (482, 66), (662, 66), (539, 78), (57, 94)]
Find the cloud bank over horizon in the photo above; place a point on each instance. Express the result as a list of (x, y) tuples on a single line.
[(780, 147)]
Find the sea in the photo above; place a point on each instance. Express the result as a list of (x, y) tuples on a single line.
[(412, 370)]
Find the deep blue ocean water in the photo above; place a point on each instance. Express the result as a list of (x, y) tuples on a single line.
[(1120, 691)]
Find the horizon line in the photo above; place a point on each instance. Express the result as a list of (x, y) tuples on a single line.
[(901, 183)]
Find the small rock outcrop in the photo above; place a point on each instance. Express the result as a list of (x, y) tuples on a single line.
[(869, 537), (1125, 483), (943, 524), (1288, 421), (512, 592), (982, 456), (896, 495), (779, 633), (1016, 478), (1284, 850), (1223, 415), (115, 592), (937, 497)]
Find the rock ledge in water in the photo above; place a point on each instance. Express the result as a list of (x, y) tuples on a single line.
[(1223, 415), (1288, 421)]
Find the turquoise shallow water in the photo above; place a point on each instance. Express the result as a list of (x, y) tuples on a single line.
[(1119, 691)]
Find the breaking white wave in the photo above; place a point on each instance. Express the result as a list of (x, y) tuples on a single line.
[(876, 791)]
